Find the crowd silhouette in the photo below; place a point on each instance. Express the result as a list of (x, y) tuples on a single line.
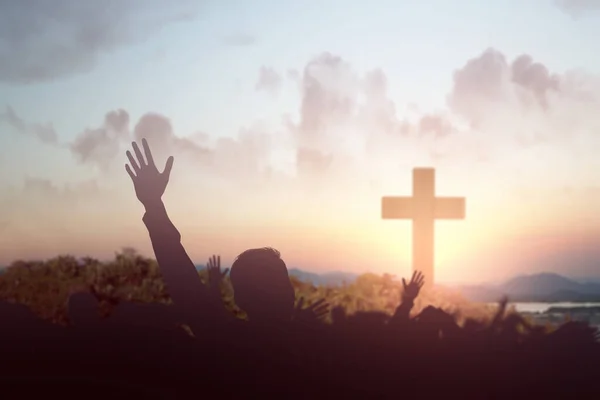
[(284, 348)]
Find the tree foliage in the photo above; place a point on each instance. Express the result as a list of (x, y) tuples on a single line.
[(45, 286)]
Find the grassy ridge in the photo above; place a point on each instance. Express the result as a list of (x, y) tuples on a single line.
[(45, 287)]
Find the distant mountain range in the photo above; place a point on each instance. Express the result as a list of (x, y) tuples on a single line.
[(329, 278), (543, 288)]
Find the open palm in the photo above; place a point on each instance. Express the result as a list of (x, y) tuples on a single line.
[(412, 289), (312, 313), (215, 275), (149, 183)]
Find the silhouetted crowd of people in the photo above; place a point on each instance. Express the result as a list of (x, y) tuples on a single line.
[(283, 349)]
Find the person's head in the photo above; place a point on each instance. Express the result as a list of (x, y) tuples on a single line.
[(261, 285)]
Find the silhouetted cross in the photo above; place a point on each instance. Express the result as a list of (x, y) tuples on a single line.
[(423, 208)]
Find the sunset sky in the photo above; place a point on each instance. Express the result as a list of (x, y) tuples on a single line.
[(289, 121)]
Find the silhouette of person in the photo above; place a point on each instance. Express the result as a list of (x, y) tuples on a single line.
[(262, 287), (190, 296), (409, 294)]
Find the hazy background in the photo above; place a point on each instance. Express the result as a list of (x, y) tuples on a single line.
[(289, 120)]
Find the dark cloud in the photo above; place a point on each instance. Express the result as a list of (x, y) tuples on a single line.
[(239, 40), (269, 80), (44, 40), (101, 145), (577, 8), (44, 133)]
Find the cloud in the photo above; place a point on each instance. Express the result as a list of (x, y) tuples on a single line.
[(45, 133), (576, 8), (41, 41), (157, 129), (241, 159), (269, 80), (101, 145), (30, 203), (239, 40), (293, 74), (345, 115), (529, 115), (437, 125), (489, 82), (348, 125), (489, 91), (48, 190)]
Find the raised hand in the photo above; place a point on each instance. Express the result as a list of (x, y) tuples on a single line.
[(215, 275), (312, 313), (411, 290), (149, 183)]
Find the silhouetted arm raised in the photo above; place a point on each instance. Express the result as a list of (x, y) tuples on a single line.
[(179, 272), (215, 277), (183, 283), (411, 291)]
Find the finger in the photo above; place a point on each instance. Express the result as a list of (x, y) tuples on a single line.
[(324, 309), (412, 279), (317, 304), (148, 153), (138, 154), (130, 172), (219, 261), (132, 161), (168, 166), (404, 283), (322, 312)]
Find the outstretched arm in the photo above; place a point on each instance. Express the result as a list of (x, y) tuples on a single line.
[(496, 321), (187, 291), (215, 277), (411, 291)]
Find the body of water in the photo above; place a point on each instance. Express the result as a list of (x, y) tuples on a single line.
[(542, 307)]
